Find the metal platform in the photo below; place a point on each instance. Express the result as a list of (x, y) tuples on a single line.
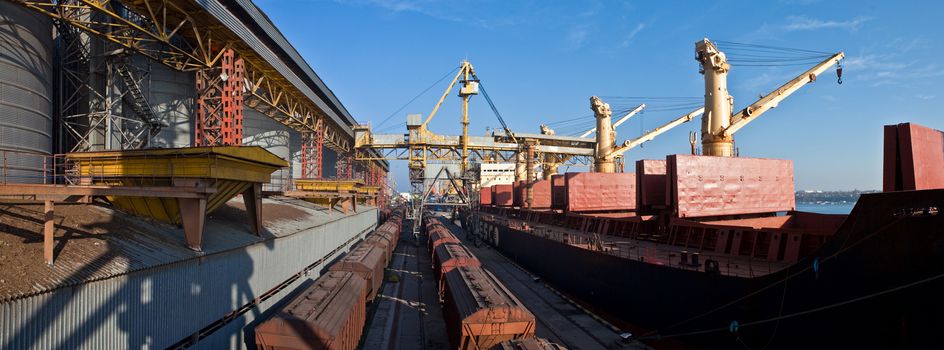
[(226, 171)]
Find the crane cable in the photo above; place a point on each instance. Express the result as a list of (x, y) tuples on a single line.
[(418, 96), (753, 55), (494, 109)]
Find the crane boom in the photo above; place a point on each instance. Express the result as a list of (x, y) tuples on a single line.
[(618, 122), (462, 71), (630, 144), (771, 100)]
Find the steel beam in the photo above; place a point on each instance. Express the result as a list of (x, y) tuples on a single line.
[(185, 36), (312, 153), (220, 103)]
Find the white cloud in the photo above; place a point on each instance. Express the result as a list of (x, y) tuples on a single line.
[(925, 97), (909, 44), (592, 10), (874, 63), (577, 36), (888, 69), (795, 23), (440, 10), (632, 34)]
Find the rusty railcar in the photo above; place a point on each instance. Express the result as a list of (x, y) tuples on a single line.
[(480, 312), (449, 256), (384, 242), (330, 314), (386, 237), (441, 235), (529, 344), (367, 261)]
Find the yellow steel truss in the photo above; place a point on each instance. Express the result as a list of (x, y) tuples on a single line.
[(182, 35)]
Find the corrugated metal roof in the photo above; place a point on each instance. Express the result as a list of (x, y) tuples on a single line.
[(220, 11), (160, 305), (143, 244), (249, 23)]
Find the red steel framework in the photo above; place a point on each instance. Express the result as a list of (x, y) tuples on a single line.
[(345, 166), (220, 102), (312, 145)]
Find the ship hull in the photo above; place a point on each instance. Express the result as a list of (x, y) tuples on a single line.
[(876, 285)]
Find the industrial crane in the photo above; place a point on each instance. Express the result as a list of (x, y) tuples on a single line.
[(718, 124), (620, 121), (551, 161), (469, 88), (606, 149)]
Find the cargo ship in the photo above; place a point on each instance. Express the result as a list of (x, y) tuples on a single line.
[(710, 252)]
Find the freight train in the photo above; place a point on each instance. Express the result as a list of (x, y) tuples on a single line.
[(710, 252), (330, 314), (529, 344), (480, 312)]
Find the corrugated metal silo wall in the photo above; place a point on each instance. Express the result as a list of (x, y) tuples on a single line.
[(260, 130), (329, 164), (295, 149), (26, 78), (158, 307), (172, 95)]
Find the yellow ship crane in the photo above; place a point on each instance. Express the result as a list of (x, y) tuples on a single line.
[(718, 123), (551, 161), (607, 152), (618, 122)]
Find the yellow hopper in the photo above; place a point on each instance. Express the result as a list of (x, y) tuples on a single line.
[(328, 192), (226, 170)]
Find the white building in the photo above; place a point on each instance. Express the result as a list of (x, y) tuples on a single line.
[(496, 174)]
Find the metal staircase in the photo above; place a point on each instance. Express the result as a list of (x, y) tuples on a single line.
[(134, 97)]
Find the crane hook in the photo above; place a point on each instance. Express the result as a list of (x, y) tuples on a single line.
[(839, 72)]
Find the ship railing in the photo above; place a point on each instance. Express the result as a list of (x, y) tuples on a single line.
[(608, 244)]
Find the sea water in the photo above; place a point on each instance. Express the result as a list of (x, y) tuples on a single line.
[(831, 208)]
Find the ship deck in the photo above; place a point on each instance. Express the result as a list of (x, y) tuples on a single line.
[(654, 252)]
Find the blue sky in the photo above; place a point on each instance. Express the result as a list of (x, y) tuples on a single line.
[(541, 60)]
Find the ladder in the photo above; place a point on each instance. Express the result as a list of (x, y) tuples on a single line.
[(135, 97)]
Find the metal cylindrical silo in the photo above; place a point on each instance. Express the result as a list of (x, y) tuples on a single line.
[(172, 94), (260, 130), (295, 148), (26, 78)]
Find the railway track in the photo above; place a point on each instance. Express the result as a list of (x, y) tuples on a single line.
[(408, 313)]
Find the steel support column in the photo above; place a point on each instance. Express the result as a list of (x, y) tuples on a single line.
[(220, 102), (345, 166), (312, 152)]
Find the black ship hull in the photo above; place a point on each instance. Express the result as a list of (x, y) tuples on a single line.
[(876, 284)]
